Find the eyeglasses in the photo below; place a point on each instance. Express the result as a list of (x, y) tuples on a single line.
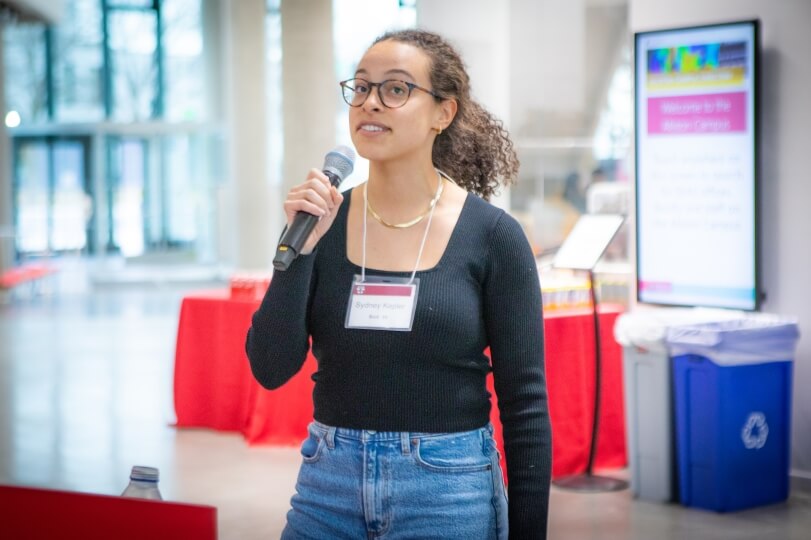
[(392, 93)]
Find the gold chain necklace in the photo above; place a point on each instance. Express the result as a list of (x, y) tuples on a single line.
[(407, 224)]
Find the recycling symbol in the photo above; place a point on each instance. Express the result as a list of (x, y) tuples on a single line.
[(755, 431)]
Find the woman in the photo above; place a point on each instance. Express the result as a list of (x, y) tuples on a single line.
[(402, 286)]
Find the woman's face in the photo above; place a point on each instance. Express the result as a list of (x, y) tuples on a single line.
[(383, 134)]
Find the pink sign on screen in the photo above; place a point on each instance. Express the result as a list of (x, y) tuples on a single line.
[(655, 286), (705, 113)]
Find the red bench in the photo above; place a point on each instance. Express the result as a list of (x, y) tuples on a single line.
[(19, 275)]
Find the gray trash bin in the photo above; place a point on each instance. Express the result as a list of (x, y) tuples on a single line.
[(648, 395)]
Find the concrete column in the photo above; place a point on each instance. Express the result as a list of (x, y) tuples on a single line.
[(6, 220), (310, 89), (214, 233), (246, 205)]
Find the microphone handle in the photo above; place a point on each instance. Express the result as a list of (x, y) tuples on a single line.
[(297, 234)]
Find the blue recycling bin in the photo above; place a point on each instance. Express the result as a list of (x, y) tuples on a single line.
[(732, 396)]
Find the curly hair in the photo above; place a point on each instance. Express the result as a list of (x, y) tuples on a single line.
[(475, 149)]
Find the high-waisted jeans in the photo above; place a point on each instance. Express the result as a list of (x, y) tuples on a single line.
[(356, 484)]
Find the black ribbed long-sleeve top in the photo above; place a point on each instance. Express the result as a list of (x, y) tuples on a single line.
[(483, 292)]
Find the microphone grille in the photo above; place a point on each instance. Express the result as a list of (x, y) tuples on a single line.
[(340, 160)]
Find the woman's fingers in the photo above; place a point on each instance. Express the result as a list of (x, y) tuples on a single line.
[(303, 205), (337, 198), (314, 196)]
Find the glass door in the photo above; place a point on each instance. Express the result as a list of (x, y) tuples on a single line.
[(53, 200), (32, 193), (128, 159), (71, 203)]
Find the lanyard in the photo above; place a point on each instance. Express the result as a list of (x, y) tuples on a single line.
[(424, 236)]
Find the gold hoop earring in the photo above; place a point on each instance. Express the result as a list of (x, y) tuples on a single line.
[(439, 131)]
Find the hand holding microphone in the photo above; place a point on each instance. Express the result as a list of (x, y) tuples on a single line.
[(311, 207)]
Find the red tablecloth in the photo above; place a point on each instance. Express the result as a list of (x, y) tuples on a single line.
[(214, 387), (45, 514)]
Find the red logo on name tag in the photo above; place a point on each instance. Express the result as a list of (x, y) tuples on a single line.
[(383, 290)]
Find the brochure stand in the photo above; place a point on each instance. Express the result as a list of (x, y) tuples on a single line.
[(580, 251)]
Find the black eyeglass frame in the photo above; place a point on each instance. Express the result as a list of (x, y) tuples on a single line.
[(411, 87)]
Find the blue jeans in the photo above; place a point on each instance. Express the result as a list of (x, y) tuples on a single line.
[(357, 484)]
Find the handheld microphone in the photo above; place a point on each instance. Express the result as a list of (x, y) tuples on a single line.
[(338, 164)]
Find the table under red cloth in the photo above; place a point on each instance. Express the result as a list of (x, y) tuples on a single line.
[(214, 386), (44, 514)]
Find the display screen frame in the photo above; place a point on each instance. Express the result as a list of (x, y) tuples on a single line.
[(645, 293)]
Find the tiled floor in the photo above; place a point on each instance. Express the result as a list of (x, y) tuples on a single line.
[(86, 392)]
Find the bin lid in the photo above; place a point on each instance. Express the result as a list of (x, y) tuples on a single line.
[(647, 328), (754, 339)]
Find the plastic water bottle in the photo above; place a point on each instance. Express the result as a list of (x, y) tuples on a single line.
[(143, 484)]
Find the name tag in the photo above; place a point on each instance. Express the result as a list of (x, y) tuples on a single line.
[(382, 303)]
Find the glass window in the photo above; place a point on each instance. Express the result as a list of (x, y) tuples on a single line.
[(52, 205), (133, 46), (612, 139), (183, 60), (131, 3), (180, 190), (566, 173), (25, 77), (127, 182), (78, 63)]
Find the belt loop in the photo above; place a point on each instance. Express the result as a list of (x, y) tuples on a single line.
[(486, 434), (331, 437), (405, 443)]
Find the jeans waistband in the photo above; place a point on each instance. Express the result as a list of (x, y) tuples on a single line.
[(368, 435)]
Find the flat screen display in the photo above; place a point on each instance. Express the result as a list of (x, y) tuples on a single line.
[(696, 165)]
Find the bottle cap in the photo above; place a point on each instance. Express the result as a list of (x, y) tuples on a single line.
[(144, 474)]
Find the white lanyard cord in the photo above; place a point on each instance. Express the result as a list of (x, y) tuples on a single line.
[(424, 236), (365, 212)]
